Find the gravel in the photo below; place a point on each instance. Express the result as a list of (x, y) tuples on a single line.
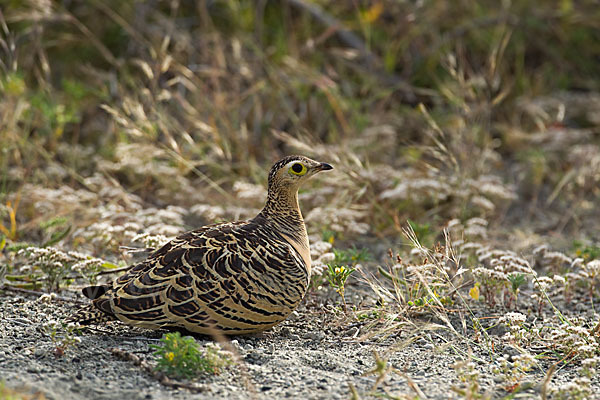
[(314, 355)]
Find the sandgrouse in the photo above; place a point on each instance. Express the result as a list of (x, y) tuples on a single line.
[(232, 278)]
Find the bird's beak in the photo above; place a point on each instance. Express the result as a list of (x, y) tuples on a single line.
[(324, 167)]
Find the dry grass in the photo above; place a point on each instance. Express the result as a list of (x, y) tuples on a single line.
[(158, 117)]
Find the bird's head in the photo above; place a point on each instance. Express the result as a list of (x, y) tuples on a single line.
[(290, 172)]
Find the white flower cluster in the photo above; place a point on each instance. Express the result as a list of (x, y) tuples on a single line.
[(150, 240), (249, 191), (476, 228), (344, 220), (543, 283), (46, 257), (578, 388), (213, 214), (84, 267), (514, 370), (514, 318), (568, 338), (491, 187), (509, 263), (557, 258), (53, 261), (208, 212), (48, 200), (591, 270), (118, 225), (482, 274), (416, 189)]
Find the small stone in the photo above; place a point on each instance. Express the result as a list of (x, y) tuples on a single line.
[(285, 331), (510, 351), (293, 316), (318, 336)]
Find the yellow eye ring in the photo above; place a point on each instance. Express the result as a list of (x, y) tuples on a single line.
[(298, 169)]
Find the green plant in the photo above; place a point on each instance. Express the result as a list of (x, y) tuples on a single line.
[(53, 267), (11, 394), (11, 209), (55, 229), (516, 281), (491, 283), (63, 336), (586, 251), (423, 233), (468, 374), (337, 276), (343, 265), (351, 256), (518, 333), (181, 357), (512, 372)]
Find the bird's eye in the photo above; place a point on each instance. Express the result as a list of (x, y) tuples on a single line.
[(298, 169)]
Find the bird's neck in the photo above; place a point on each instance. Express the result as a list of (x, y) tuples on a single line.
[(283, 211)]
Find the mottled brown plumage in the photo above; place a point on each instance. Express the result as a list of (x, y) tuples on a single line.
[(232, 278)]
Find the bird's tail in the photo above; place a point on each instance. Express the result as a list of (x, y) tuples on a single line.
[(89, 315)]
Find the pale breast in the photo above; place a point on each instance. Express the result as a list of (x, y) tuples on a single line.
[(303, 248)]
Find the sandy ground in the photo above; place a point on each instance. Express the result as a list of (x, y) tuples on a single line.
[(313, 355)]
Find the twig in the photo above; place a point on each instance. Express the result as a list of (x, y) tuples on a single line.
[(544, 391), (353, 392), (412, 384), (159, 376)]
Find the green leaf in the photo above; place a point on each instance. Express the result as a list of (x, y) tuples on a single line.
[(109, 265), (57, 237)]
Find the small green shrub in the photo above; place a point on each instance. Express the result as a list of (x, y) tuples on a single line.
[(337, 276), (63, 336), (181, 357), (342, 266)]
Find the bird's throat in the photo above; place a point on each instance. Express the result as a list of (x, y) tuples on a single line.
[(283, 211)]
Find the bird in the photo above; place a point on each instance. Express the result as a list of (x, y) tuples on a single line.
[(231, 278)]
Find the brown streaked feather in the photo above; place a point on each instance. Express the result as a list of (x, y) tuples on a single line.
[(93, 292), (236, 278), (89, 315)]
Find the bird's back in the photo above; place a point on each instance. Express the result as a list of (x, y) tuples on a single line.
[(236, 278)]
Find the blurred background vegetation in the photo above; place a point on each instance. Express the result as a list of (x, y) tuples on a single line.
[(430, 110)]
